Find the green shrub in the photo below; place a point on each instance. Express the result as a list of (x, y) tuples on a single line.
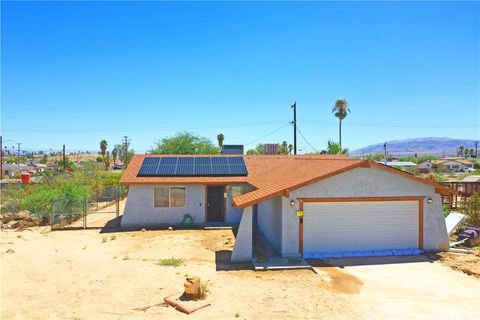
[(472, 209), (39, 202), (172, 262)]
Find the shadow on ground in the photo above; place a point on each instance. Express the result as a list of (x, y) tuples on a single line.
[(364, 261), (223, 263)]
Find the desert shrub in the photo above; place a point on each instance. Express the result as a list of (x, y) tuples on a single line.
[(172, 262), (472, 209), (39, 202), (446, 210)]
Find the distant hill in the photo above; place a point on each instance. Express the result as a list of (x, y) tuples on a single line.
[(437, 146)]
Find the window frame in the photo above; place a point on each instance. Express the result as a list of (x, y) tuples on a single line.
[(170, 196)]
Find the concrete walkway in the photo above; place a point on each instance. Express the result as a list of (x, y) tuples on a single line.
[(266, 258)]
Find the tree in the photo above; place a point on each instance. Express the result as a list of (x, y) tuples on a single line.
[(106, 161), (115, 154), (460, 151), (184, 143), (259, 149), (220, 139), (340, 110), (290, 149), (334, 148), (283, 149), (103, 147), (472, 209)]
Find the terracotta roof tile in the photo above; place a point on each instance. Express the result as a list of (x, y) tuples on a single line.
[(271, 175)]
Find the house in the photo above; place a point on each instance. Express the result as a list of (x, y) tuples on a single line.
[(453, 164), (305, 206), (401, 164), (12, 170)]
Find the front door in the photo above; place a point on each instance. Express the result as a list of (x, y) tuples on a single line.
[(215, 204)]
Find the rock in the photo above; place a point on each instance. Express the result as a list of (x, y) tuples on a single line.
[(12, 224)]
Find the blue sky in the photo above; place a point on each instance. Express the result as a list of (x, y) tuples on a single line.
[(79, 72)]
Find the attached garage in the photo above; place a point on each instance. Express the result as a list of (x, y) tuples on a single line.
[(333, 225)]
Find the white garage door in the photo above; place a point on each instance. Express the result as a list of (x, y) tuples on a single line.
[(360, 226)]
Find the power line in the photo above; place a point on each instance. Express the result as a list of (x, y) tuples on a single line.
[(217, 126), (314, 149), (268, 134)]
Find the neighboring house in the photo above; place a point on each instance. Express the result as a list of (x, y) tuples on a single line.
[(305, 206), (401, 164), (454, 164), (12, 170)]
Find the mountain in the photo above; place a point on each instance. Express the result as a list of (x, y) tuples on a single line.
[(437, 146)]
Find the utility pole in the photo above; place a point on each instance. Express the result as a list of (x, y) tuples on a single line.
[(64, 160), (385, 150), (18, 153), (125, 155), (294, 107), (1, 158)]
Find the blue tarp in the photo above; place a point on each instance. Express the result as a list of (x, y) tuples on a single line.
[(377, 253)]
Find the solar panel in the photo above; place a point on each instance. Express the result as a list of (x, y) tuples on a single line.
[(203, 170), (168, 161), (236, 160), (185, 161), (219, 160), (184, 171), (166, 171), (207, 166), (221, 170), (238, 170), (203, 161)]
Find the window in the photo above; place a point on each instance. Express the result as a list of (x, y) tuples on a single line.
[(164, 197), (177, 197), (238, 190)]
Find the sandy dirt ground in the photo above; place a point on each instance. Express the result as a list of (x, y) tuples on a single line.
[(85, 274)]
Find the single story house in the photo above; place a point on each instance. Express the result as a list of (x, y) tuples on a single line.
[(454, 164), (12, 170), (304, 205), (405, 165)]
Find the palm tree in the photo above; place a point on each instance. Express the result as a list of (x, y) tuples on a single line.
[(460, 150), (283, 149), (106, 160), (115, 154), (290, 149), (340, 110), (103, 147), (220, 139)]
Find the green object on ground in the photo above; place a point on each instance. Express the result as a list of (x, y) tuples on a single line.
[(187, 221)]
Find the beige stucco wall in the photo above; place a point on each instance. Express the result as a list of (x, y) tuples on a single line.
[(366, 182), (269, 221), (139, 210)]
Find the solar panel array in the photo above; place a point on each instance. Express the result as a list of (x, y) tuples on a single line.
[(192, 167)]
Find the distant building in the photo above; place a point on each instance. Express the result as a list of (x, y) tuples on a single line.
[(270, 148), (454, 164), (232, 149), (10, 170), (402, 164)]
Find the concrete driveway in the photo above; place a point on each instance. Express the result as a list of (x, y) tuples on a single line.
[(402, 287)]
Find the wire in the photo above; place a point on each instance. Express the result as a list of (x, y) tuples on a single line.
[(314, 149), (186, 127), (268, 134)]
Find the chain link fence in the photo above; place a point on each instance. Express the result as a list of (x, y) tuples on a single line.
[(100, 210)]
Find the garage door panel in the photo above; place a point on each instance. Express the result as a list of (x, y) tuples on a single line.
[(359, 226)]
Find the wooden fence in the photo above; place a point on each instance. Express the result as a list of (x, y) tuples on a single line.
[(464, 191)]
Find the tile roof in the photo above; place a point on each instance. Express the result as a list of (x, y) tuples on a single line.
[(272, 175)]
